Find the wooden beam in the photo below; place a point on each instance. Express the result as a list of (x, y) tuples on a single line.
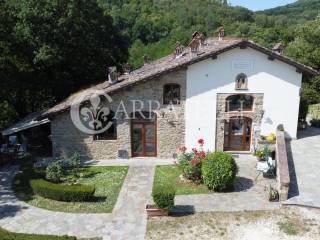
[(271, 58), (214, 57)]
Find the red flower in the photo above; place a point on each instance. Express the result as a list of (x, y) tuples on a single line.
[(183, 149), (194, 150), (201, 154), (201, 141), (195, 162)]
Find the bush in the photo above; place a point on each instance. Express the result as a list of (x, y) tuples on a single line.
[(315, 123), (58, 192), (163, 196), (74, 161), (190, 162), (54, 172), (219, 171), (5, 235)]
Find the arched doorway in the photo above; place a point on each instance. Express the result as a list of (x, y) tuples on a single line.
[(237, 134), (144, 134)]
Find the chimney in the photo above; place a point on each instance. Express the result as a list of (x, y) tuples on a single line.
[(202, 39), (127, 69), (278, 48), (146, 59), (112, 75), (194, 45), (221, 33), (178, 50)]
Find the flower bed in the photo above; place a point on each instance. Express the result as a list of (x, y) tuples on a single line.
[(216, 170), (190, 162)]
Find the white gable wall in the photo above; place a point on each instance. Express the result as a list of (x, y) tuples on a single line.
[(278, 81)]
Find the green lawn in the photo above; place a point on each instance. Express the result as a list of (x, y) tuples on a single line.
[(170, 175), (107, 180), (5, 235)]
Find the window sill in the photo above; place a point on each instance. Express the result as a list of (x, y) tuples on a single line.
[(242, 89), (105, 140)]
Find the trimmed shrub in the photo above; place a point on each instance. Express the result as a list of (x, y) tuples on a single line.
[(219, 171), (163, 196), (65, 193), (5, 235), (315, 123), (74, 161), (54, 172)]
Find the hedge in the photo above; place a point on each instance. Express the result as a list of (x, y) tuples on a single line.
[(65, 193), (219, 171), (5, 235), (163, 196)]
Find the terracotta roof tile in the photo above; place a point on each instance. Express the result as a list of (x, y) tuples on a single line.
[(166, 64)]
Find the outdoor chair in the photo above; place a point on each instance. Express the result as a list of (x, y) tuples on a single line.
[(265, 168)]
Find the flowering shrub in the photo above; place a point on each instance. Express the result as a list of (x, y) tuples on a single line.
[(190, 162)]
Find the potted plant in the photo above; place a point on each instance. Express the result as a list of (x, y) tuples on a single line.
[(163, 196), (259, 154), (273, 194)]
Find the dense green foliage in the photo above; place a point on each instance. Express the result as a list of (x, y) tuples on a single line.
[(5, 235), (54, 172), (59, 192), (163, 196), (219, 171), (52, 48)]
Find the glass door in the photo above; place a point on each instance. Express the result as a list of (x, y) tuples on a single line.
[(238, 134), (144, 137), (137, 139)]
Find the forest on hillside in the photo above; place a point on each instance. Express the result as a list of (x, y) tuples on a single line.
[(51, 48)]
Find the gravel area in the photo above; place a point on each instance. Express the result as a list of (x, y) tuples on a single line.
[(289, 223)]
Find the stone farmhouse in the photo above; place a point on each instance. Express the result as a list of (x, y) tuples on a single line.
[(225, 91)]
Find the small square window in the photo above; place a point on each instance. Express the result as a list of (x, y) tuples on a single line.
[(171, 94)]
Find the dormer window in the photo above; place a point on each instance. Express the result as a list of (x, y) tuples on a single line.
[(171, 94), (241, 82)]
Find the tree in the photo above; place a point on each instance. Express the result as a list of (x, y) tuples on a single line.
[(52, 48)]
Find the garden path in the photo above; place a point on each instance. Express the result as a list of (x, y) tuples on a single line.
[(127, 221), (304, 166)]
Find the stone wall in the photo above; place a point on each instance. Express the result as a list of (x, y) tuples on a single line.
[(222, 116), (67, 139)]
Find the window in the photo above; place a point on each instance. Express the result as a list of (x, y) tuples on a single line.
[(171, 94), (111, 132), (240, 102), (241, 82)]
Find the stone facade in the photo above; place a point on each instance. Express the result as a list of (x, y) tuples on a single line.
[(255, 115), (67, 139)]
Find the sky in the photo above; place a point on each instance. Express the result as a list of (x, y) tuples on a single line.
[(256, 5)]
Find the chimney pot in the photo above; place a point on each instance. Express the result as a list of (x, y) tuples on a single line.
[(221, 33), (112, 75), (278, 48), (178, 50), (146, 59), (127, 69)]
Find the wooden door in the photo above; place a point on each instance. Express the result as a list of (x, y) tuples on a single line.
[(143, 138), (238, 134)]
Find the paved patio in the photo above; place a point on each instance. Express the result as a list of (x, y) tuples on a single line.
[(304, 166), (128, 219)]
